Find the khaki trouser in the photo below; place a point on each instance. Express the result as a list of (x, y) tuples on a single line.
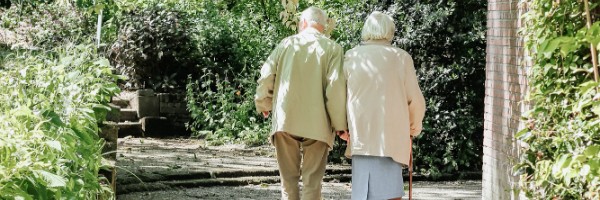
[(291, 150)]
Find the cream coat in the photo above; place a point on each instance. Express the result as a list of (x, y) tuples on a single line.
[(302, 83), (385, 103)]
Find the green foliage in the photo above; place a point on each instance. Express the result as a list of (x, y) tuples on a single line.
[(155, 48), (232, 46), (445, 38), (447, 42), (215, 50), (224, 113), (50, 106), (561, 157), (45, 26)]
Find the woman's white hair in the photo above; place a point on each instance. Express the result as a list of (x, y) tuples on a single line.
[(378, 26), (314, 15)]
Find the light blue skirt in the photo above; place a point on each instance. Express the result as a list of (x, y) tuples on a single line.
[(376, 178)]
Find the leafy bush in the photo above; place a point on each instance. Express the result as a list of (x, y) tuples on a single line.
[(447, 42), (45, 26), (155, 48), (50, 106), (221, 100), (561, 154)]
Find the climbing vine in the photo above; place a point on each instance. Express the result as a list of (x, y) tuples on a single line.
[(561, 140)]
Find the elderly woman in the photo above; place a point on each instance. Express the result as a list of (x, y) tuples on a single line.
[(385, 109)]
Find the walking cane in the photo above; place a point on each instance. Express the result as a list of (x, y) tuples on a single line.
[(410, 172)]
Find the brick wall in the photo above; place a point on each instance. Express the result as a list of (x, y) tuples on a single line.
[(505, 88)]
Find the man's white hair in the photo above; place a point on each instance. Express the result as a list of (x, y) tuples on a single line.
[(378, 26), (314, 15)]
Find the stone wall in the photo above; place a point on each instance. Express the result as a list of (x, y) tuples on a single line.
[(159, 114), (174, 108), (505, 88)]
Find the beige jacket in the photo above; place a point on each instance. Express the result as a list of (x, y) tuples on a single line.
[(385, 103), (302, 83)]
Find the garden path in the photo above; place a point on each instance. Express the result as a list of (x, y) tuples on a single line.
[(189, 169)]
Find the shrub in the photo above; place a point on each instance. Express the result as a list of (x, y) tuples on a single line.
[(50, 106), (221, 100), (561, 142), (155, 48), (447, 42), (40, 25)]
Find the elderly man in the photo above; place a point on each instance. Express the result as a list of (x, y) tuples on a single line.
[(302, 83)]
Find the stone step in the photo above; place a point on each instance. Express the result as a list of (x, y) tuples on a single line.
[(122, 103), (130, 129), (114, 115), (128, 114), (109, 131), (126, 179), (192, 183)]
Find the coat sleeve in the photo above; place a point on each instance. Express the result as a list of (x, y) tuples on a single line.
[(335, 90), (416, 101), (263, 100)]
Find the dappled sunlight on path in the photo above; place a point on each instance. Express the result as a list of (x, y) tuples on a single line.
[(181, 167)]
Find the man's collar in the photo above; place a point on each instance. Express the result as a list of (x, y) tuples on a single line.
[(311, 30)]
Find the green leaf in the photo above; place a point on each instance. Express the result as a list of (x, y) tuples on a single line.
[(585, 170), (587, 87), (54, 144), (523, 134), (102, 62), (596, 109), (51, 179), (54, 118), (592, 151)]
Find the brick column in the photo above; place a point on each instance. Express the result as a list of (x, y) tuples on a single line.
[(505, 87)]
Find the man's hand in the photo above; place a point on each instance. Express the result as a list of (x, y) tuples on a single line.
[(265, 114), (344, 135)]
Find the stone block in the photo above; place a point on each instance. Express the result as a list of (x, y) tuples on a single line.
[(114, 114), (145, 92), (163, 97), (122, 103), (173, 108), (146, 106), (129, 115), (155, 126), (130, 128)]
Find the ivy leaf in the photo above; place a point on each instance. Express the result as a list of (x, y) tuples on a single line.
[(568, 45), (586, 87)]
